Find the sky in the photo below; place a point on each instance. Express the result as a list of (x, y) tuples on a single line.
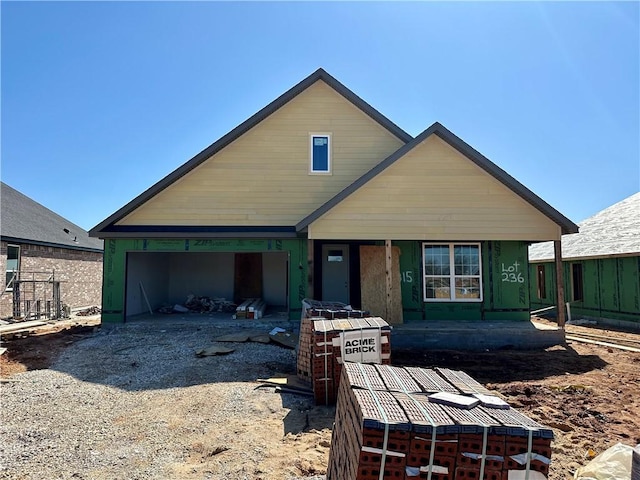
[(100, 100)]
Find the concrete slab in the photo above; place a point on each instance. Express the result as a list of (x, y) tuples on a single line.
[(475, 336), (430, 335)]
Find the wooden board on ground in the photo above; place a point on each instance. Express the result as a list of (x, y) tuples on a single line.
[(290, 382), (233, 337), (213, 350), (20, 326), (284, 339), (373, 283)]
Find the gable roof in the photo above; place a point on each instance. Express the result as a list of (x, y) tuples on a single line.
[(23, 220), (241, 129), (612, 231), (476, 157)]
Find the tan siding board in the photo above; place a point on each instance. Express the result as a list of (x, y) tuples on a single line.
[(263, 179), (433, 232), (434, 193)]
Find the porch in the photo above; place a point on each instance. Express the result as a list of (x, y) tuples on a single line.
[(431, 335)]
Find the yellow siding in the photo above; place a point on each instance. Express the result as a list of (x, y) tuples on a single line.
[(263, 178), (434, 193)]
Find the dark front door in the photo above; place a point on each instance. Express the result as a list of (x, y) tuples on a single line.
[(335, 273)]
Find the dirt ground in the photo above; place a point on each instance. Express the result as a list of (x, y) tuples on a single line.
[(589, 395)]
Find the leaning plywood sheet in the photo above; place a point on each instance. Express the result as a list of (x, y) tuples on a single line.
[(373, 283)]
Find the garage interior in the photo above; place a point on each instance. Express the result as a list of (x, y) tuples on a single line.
[(167, 278)]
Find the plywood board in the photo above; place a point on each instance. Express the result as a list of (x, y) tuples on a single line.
[(373, 283)]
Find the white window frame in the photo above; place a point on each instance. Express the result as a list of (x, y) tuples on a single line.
[(6, 270), (452, 276), (313, 136)]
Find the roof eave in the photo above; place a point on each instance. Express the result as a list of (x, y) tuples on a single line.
[(199, 231), (575, 258), (26, 241)]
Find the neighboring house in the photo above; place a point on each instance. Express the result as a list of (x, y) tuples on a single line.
[(49, 263), (601, 267), (319, 195)]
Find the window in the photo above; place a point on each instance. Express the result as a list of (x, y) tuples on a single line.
[(452, 272), (334, 256), (320, 153), (577, 293), (542, 284), (13, 265)]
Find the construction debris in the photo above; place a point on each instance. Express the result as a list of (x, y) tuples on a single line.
[(200, 305), (616, 462), (89, 311), (209, 305)]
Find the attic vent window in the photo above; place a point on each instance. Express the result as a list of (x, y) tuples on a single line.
[(320, 153)]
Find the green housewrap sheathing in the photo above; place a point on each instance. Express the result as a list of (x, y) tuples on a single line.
[(505, 276), (505, 285), (611, 288), (116, 250)]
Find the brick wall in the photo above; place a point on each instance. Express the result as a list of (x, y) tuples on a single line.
[(79, 273)]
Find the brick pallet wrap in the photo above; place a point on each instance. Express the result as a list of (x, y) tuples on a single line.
[(325, 344), (390, 425)]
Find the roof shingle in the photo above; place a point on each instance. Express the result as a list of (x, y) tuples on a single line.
[(25, 220), (613, 231)]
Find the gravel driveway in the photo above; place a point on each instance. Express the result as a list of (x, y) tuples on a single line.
[(134, 402)]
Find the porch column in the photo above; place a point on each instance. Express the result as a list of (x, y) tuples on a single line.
[(310, 273), (557, 248), (389, 285)]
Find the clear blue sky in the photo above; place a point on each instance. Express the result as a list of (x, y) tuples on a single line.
[(102, 100)]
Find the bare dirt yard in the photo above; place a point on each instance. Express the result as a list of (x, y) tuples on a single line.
[(83, 402)]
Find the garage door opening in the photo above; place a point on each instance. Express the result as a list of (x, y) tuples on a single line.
[(169, 277)]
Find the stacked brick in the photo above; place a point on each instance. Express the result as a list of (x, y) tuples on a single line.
[(323, 344), (389, 425)]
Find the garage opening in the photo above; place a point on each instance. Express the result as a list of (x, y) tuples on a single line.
[(169, 277)]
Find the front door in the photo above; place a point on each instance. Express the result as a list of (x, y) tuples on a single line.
[(335, 273)]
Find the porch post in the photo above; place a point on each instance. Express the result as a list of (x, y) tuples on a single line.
[(557, 248), (310, 273), (389, 284)]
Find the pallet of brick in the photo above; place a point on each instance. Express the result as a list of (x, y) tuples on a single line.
[(363, 340), (387, 426), (331, 314), (330, 310), (318, 310), (325, 344), (303, 362)]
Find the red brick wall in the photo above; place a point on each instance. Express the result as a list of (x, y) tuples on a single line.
[(79, 272)]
